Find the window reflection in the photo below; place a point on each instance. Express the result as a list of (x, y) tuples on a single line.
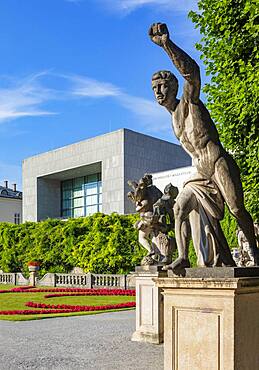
[(81, 196)]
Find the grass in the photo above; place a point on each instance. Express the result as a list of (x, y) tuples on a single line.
[(16, 301)]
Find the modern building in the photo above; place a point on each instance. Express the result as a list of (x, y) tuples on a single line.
[(10, 204), (91, 175)]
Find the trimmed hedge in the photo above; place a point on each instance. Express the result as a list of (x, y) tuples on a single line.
[(98, 243)]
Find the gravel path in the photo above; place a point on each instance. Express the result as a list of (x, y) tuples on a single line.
[(100, 342)]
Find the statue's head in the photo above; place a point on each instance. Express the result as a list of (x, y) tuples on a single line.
[(165, 87), (145, 181), (171, 191)]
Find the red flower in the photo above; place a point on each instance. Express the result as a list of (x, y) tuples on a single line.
[(33, 263)]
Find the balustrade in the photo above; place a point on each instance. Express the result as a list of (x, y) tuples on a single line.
[(71, 280), (7, 278)]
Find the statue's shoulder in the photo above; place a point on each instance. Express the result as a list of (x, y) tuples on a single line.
[(182, 109)]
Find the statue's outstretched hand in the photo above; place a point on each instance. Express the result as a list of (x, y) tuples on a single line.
[(159, 33)]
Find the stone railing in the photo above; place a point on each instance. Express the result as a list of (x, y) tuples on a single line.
[(13, 278), (109, 281), (91, 280), (73, 280), (8, 278), (88, 280)]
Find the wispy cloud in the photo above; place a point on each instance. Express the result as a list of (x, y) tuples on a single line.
[(23, 98), (128, 6), (151, 115), (154, 117), (84, 86)]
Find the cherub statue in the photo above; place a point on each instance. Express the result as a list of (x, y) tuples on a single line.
[(154, 208), (244, 257)]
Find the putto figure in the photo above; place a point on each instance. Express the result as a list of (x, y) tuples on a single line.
[(200, 205), (156, 219), (244, 257)]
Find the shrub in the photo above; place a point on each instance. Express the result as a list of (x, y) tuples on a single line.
[(99, 243)]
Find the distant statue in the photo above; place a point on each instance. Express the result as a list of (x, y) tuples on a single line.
[(156, 219), (200, 205), (243, 255)]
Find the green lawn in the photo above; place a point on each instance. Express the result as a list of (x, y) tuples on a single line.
[(16, 301)]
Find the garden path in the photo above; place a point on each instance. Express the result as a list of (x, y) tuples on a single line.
[(99, 342)]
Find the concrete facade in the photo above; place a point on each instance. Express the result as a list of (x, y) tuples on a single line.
[(119, 156)]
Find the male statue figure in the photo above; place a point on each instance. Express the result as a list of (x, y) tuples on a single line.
[(198, 135)]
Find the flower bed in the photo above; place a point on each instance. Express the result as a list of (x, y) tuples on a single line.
[(66, 308), (79, 307), (21, 289), (30, 289)]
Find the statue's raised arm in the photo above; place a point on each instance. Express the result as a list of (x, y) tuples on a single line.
[(188, 68)]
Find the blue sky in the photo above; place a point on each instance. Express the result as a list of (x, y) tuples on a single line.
[(74, 69)]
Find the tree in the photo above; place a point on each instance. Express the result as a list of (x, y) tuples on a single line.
[(230, 51)]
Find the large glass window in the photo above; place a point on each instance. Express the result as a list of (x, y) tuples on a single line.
[(81, 196)]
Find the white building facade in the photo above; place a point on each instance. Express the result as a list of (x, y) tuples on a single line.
[(177, 177), (10, 204)]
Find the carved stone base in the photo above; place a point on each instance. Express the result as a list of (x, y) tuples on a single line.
[(149, 306), (217, 272), (211, 323)]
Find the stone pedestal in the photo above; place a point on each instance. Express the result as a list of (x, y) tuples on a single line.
[(149, 305), (211, 323), (33, 278), (33, 274)]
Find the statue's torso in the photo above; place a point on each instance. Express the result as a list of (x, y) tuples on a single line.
[(198, 135)]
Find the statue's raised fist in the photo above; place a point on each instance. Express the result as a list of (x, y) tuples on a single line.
[(159, 33)]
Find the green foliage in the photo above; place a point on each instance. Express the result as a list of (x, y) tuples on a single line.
[(99, 243), (230, 51), (192, 255), (229, 227)]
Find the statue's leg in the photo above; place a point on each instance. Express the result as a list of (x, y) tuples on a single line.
[(216, 251), (227, 177), (195, 231), (154, 242), (185, 203), (143, 236)]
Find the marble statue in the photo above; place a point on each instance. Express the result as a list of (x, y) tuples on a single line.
[(200, 205), (156, 219)]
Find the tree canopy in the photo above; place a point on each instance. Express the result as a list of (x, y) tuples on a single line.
[(230, 51)]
